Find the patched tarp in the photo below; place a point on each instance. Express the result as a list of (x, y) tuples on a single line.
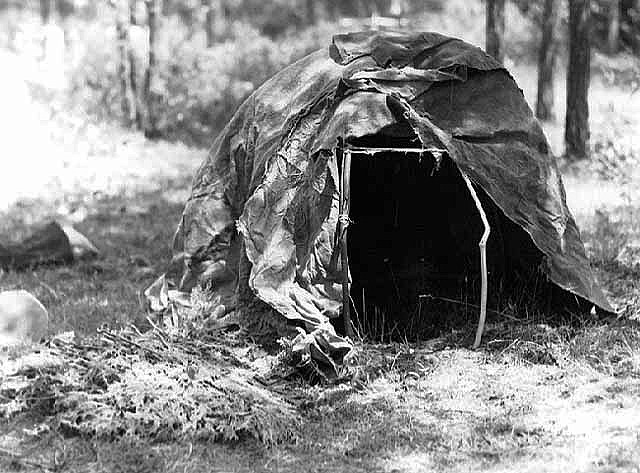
[(261, 219)]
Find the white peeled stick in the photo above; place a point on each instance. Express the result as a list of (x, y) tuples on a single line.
[(23, 318)]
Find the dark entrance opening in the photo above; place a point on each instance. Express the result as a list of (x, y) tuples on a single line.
[(413, 248)]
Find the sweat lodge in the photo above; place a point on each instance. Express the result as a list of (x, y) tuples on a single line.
[(369, 172)]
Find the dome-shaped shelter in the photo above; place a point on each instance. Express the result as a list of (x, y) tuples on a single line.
[(417, 113)]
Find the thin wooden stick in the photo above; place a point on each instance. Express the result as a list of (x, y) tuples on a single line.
[(483, 261), (337, 241), (376, 150), (454, 301), (345, 202)]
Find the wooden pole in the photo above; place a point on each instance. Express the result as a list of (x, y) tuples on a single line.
[(345, 202), (483, 261), (335, 254)]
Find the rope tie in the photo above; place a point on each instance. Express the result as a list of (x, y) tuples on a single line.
[(344, 220)]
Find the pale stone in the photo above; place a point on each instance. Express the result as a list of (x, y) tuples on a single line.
[(23, 318)]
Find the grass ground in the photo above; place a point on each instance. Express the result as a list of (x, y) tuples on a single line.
[(535, 397)]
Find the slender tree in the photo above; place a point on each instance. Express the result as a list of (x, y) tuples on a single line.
[(209, 22), (333, 9), (127, 98), (546, 61), (133, 68), (576, 135), (494, 31), (310, 11), (151, 124), (635, 26), (166, 7), (46, 9), (613, 26)]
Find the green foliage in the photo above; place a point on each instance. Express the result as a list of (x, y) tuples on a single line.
[(199, 88), (600, 19), (93, 74)]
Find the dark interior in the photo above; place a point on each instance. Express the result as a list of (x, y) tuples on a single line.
[(415, 232)]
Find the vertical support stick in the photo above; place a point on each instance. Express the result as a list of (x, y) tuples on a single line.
[(337, 238), (345, 202), (483, 261)]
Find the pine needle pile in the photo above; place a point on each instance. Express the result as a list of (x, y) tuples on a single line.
[(150, 386)]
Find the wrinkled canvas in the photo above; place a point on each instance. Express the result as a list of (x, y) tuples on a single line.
[(265, 202)]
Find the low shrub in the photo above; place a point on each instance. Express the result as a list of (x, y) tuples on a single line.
[(198, 88)]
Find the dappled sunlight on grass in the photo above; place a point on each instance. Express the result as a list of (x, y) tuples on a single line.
[(475, 411)]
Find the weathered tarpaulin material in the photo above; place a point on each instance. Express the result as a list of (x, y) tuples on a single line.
[(260, 222)]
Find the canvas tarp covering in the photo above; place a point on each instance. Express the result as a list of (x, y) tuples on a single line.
[(262, 215)]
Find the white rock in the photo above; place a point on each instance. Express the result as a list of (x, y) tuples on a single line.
[(22, 318)]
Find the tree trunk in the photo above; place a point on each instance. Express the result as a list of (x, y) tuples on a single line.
[(166, 7), (209, 22), (363, 9), (127, 103), (635, 28), (495, 29), (576, 135), (46, 9), (333, 10), (613, 26), (310, 10), (546, 61), (151, 128), (133, 68)]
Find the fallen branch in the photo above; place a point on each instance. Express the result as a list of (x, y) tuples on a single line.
[(114, 337), (483, 261)]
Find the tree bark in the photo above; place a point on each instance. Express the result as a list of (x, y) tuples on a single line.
[(635, 27), (151, 125), (576, 133), (166, 7), (46, 10), (613, 26), (127, 96), (209, 22), (133, 69), (333, 10), (310, 11), (495, 29), (546, 61)]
